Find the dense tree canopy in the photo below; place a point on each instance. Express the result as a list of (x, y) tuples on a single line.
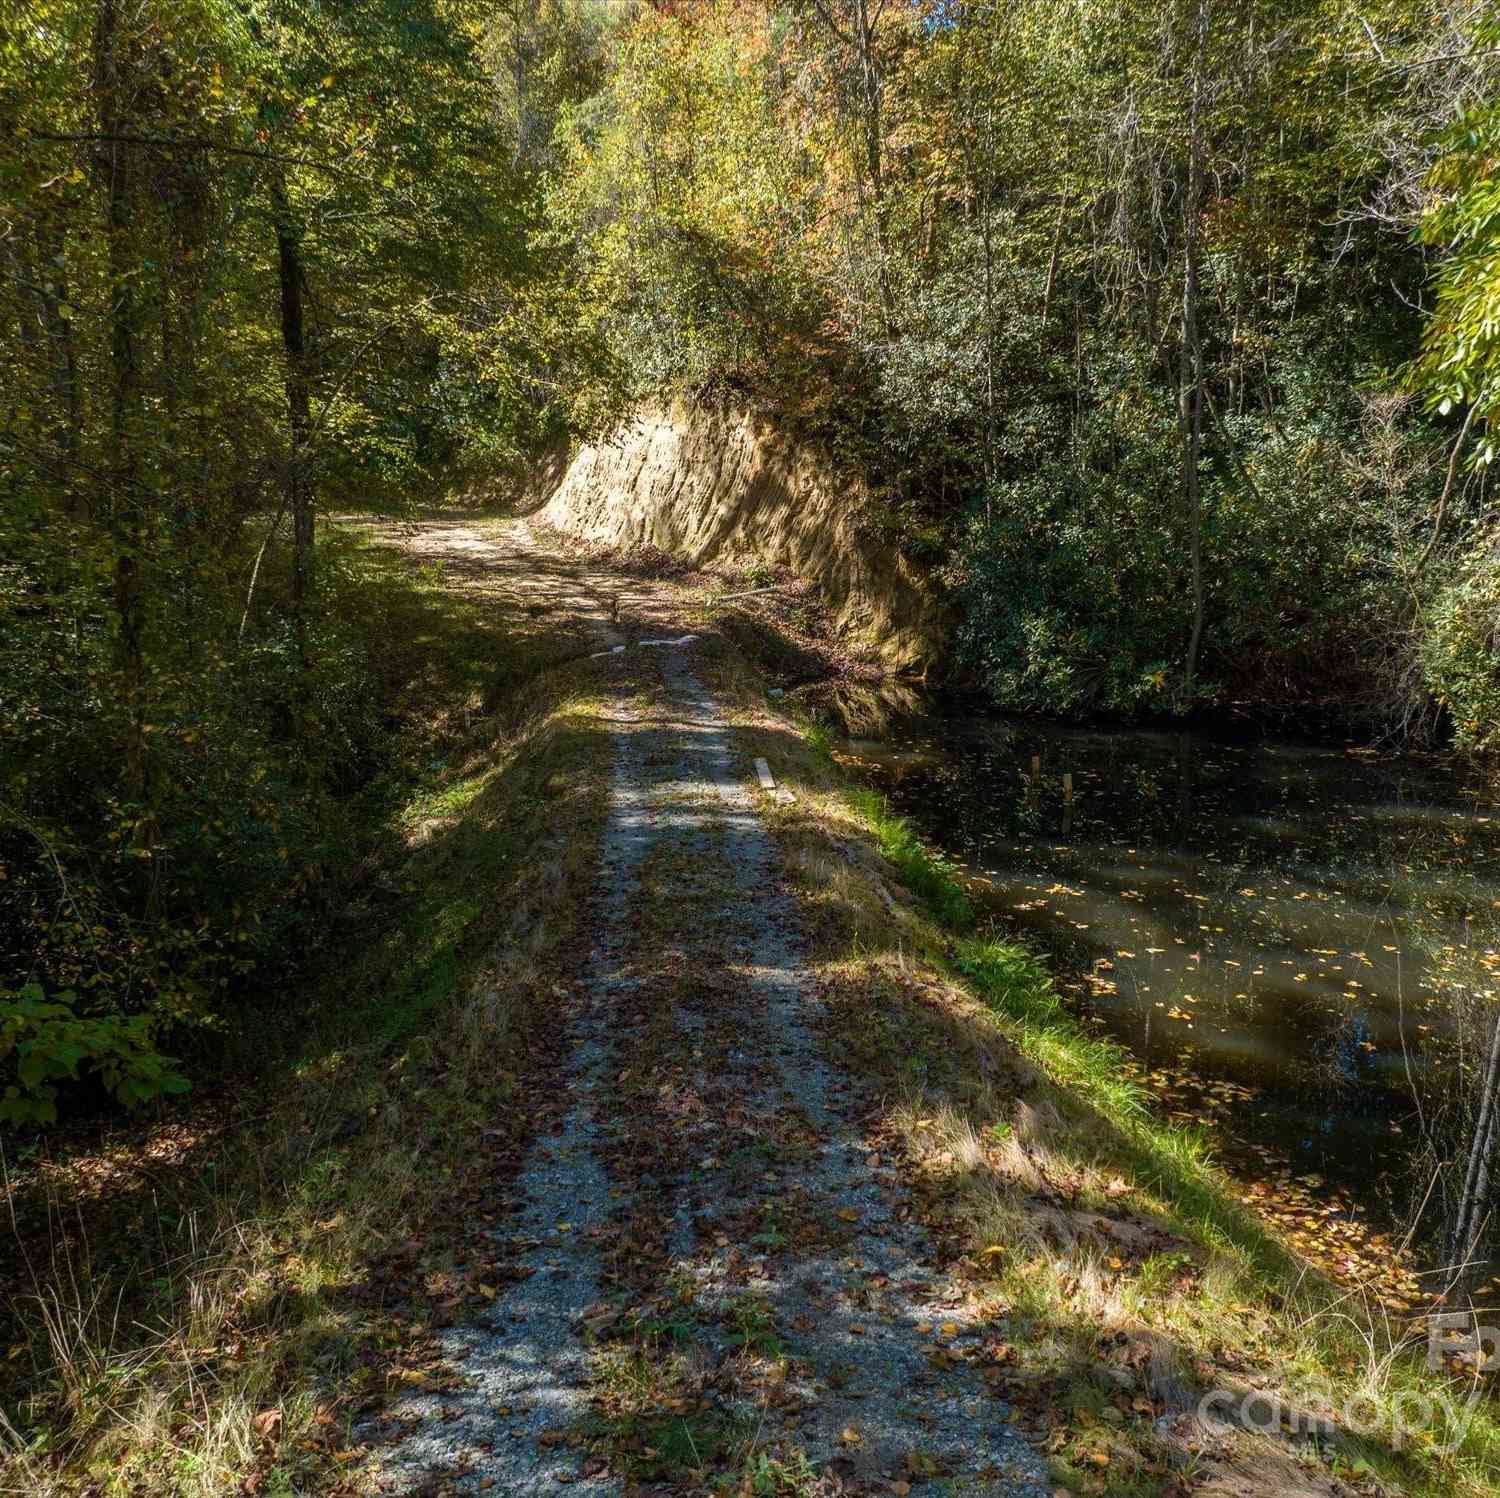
[(260, 260), (1167, 335), (1128, 304)]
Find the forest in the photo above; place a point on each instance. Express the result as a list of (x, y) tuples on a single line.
[(1163, 340), (1171, 332)]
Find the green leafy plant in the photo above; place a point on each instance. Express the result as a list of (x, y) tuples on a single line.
[(45, 1041)]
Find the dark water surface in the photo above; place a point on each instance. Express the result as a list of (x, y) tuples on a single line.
[(1265, 923)]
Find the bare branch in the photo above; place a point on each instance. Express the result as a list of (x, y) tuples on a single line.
[(1437, 522)]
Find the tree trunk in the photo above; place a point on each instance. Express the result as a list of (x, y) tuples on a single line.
[(1190, 364), (124, 502), (872, 84), (64, 360), (1052, 263), (1475, 1201), (855, 34), (298, 386), (30, 321)]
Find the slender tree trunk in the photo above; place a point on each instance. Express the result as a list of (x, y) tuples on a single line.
[(987, 237), (125, 502), (873, 85), (64, 359), (520, 80), (1057, 228), (299, 500), (1190, 367), (856, 35), (30, 320), (1475, 1201)]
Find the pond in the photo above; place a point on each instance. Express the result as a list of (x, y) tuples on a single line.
[(1272, 929)]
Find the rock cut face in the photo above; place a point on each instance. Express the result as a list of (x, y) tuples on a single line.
[(728, 487)]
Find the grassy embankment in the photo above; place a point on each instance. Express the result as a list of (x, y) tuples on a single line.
[(204, 1300), (1124, 1278)]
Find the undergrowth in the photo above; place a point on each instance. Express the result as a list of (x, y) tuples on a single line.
[(203, 1302)]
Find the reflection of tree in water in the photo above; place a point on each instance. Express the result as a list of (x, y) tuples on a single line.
[(1186, 785), (1345, 1062)]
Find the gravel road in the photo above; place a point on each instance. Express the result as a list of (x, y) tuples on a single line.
[(708, 1168)]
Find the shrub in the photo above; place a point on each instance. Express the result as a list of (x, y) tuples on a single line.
[(130, 921), (1460, 650), (44, 1042)]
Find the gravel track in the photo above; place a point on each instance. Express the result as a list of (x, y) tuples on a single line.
[(811, 1234)]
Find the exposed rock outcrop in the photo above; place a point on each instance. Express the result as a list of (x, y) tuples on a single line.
[(728, 487)]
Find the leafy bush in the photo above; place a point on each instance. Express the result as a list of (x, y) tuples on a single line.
[(1072, 567), (129, 922), (44, 1042)]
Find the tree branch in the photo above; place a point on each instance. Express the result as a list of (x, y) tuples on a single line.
[(171, 143), (826, 16), (1437, 523)]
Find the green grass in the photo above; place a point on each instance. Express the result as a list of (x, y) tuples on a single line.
[(927, 874), (1011, 1120), (1010, 979)]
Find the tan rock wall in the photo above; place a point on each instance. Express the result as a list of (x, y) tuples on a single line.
[(727, 487)]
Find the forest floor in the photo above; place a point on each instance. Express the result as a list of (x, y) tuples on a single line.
[(668, 1134)]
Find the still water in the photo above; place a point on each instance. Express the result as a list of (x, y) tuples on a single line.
[(1271, 928)]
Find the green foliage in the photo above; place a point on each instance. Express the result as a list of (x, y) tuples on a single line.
[(1003, 973), (196, 719), (1460, 361), (1461, 650), (924, 872), (159, 915), (1071, 573), (44, 1042), (891, 243)]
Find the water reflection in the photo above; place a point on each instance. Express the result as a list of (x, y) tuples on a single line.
[(1255, 915)]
